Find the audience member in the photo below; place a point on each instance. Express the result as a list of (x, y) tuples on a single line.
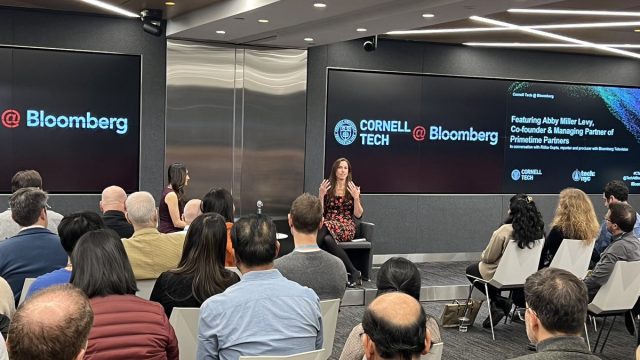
[(173, 199), (575, 219), (112, 207), (220, 201), (200, 273), (524, 225), (7, 307), (21, 180), (395, 275), (53, 324), (614, 192), (150, 252), (125, 326), (71, 228), (394, 327), (555, 315), (191, 211), (307, 259), (264, 314), (34, 250), (625, 246)]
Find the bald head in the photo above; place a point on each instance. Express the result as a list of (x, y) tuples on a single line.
[(395, 325), (113, 198), (191, 211), (141, 210), (52, 324)]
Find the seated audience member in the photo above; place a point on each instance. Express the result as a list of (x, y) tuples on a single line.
[(7, 308), (308, 261), (191, 211), (394, 326), (71, 228), (220, 201), (53, 324), (264, 314), (125, 327), (575, 219), (34, 251), (21, 180), (524, 225), (614, 192), (200, 273), (625, 246), (112, 207), (395, 275), (150, 252), (555, 315)]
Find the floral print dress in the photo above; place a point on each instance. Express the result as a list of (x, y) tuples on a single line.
[(338, 218)]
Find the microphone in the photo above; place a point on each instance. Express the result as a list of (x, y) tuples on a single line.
[(259, 207)]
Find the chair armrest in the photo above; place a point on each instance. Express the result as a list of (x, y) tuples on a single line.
[(366, 231)]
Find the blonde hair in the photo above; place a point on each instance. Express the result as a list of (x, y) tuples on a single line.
[(575, 216)]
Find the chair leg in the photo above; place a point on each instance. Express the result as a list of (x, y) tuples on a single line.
[(586, 334), (486, 289), (514, 313), (507, 316), (595, 326), (595, 347), (606, 337), (466, 308)]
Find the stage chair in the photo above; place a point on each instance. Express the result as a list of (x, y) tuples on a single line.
[(574, 257), (617, 296), (145, 287), (185, 325), (329, 310), (515, 267), (361, 253), (235, 270), (25, 289), (311, 355)]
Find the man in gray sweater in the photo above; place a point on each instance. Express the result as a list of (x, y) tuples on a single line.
[(308, 265)]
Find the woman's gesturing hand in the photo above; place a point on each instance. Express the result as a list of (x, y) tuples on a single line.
[(324, 187)]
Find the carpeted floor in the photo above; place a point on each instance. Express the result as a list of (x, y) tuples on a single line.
[(476, 344)]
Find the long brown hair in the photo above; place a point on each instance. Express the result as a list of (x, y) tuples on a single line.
[(575, 216), (177, 176), (333, 180)]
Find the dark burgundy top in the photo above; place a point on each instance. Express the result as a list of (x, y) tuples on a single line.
[(166, 224)]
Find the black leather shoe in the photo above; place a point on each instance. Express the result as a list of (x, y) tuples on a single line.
[(496, 316)]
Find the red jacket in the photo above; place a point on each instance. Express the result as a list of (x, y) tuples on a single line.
[(126, 327)]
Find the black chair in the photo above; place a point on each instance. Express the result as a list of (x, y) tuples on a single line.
[(361, 253)]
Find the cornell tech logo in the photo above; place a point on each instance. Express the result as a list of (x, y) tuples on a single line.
[(345, 132)]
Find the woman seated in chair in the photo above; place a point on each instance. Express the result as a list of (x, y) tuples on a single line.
[(524, 225), (395, 275), (575, 219)]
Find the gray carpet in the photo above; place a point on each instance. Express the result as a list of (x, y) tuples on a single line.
[(476, 344)]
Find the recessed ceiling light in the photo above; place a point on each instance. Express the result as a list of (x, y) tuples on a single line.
[(169, 3), (220, 32), (320, 5), (361, 29), (113, 8), (308, 39), (263, 21), (636, 30), (427, 15)]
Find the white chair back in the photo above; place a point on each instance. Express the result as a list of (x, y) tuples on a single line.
[(435, 353), (517, 265), (145, 287), (235, 270), (329, 310), (621, 290), (573, 256), (185, 325), (25, 289), (311, 355)]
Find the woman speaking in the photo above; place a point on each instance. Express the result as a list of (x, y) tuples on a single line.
[(340, 199)]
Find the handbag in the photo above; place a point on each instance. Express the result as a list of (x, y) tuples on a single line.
[(452, 313)]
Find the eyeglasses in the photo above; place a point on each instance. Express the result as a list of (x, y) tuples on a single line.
[(607, 219)]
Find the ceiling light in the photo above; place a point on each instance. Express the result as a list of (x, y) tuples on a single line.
[(439, 31), (263, 21), (550, 45), (361, 29), (575, 12), (169, 3), (427, 15), (585, 25), (112, 8), (320, 5), (308, 39), (555, 36), (220, 32), (636, 30)]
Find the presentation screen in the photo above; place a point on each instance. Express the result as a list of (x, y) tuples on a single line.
[(431, 134), (72, 116)]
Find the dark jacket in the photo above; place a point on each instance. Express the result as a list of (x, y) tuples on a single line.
[(561, 348), (29, 254), (127, 327), (117, 221)]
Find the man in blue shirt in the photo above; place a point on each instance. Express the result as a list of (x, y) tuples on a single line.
[(264, 314), (614, 192)]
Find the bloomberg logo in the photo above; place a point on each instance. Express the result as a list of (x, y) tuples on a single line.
[(38, 118)]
